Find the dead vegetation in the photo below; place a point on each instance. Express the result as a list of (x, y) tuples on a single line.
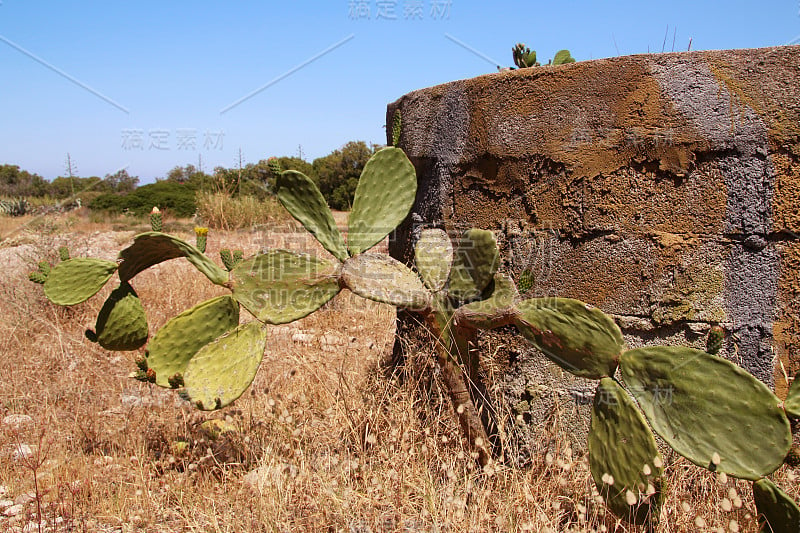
[(330, 437)]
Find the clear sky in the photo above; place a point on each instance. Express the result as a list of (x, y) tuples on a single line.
[(149, 85)]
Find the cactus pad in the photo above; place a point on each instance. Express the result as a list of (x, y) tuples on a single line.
[(497, 310), (383, 198), (302, 198), (281, 286), (563, 57), (385, 280), (122, 324), (151, 248), (397, 124), (223, 369), (474, 266), (76, 280), (623, 456), (179, 339), (433, 257), (777, 512), (709, 410), (576, 336), (792, 403)]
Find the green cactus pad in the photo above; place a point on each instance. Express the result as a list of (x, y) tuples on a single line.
[(179, 339), (777, 512), (397, 124), (497, 310), (433, 257), (122, 324), (386, 280), (63, 253), (302, 198), (576, 336), (151, 248), (281, 286), (709, 410), (223, 369), (474, 266), (792, 403), (624, 459), (76, 280), (562, 57), (45, 267), (383, 198)]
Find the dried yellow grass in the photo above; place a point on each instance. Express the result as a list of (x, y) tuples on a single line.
[(341, 441)]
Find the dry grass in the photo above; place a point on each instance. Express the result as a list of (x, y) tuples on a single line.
[(221, 211), (331, 438)]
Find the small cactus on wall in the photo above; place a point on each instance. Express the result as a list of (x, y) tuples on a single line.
[(693, 400), (524, 57)]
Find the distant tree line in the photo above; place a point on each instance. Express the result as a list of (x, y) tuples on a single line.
[(336, 174)]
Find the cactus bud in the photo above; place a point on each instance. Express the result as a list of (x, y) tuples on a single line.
[(227, 259), (63, 253), (715, 338), (274, 166), (175, 380), (202, 235), (141, 363), (44, 268), (238, 256), (37, 277), (151, 375), (155, 219)]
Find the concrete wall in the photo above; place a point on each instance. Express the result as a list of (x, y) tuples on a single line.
[(662, 188)]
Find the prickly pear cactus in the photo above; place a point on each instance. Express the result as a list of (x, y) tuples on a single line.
[(63, 253), (563, 57), (304, 201), (699, 403), (625, 462), (223, 369), (383, 199), (121, 324), (524, 57), (576, 336), (792, 402), (151, 248), (76, 280), (474, 265), (397, 124), (777, 512), (174, 345)]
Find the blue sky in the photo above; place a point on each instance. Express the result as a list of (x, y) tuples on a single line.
[(151, 85)]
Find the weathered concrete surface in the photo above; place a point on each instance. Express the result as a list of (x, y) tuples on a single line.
[(663, 188)]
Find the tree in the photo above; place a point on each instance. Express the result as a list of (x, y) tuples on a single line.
[(16, 182), (121, 182), (337, 173)]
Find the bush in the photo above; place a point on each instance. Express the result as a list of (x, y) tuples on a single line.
[(175, 198)]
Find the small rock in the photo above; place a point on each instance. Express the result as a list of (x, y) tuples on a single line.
[(16, 421), (14, 510)]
